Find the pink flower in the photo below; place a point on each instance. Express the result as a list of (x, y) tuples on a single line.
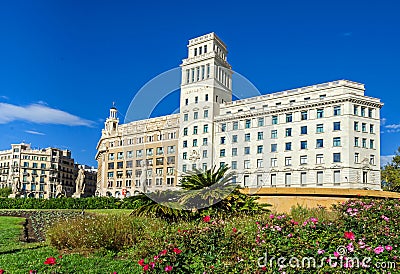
[(388, 247), (234, 230), (152, 264), (155, 258), (163, 252), (1, 271), (314, 220), (350, 247), (321, 251), (379, 250), (385, 218), (290, 235), (206, 218), (146, 267), (177, 250), (168, 268), (349, 235), (294, 222), (271, 216), (50, 261), (336, 254), (141, 262)]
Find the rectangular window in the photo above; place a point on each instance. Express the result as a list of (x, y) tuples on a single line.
[(260, 122), (246, 164), (303, 159), (355, 110), (274, 162), (336, 157), (336, 142), (247, 137), (247, 150), (204, 166), (320, 143), (288, 161), (371, 128), (303, 145), (246, 180), (320, 113), (187, 76), (192, 70), (289, 118), (259, 163), (364, 142), (288, 132), (372, 159), (356, 126), (206, 113), (205, 128), (259, 180), (234, 138), (208, 70), (274, 147), (184, 168), (184, 155), (336, 125), (196, 100), (185, 117), (259, 149), (288, 146), (274, 120), (363, 111), (336, 110), (235, 125), (248, 123), (222, 142), (371, 144), (195, 142), (234, 151), (205, 141), (320, 159), (184, 143), (234, 165), (274, 134), (223, 127), (273, 180), (320, 178), (288, 179), (370, 112), (204, 153), (303, 130), (336, 177), (304, 115), (320, 128), (222, 153), (356, 143), (195, 115), (303, 178), (356, 158), (260, 136), (203, 72)]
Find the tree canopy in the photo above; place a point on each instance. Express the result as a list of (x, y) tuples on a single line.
[(391, 174)]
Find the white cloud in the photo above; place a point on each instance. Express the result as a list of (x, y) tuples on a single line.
[(383, 121), (3, 97), (386, 159), (34, 132), (40, 114), (393, 126)]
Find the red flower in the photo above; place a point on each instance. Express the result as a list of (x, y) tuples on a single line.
[(1, 271), (60, 257), (50, 261), (30, 272), (177, 250), (206, 218), (168, 268), (234, 230), (349, 235), (141, 262), (163, 252), (146, 267)]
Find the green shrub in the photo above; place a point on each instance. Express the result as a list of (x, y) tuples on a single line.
[(300, 214), (4, 192)]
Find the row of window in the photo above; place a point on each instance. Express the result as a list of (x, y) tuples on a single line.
[(200, 50), (140, 163), (149, 183), (303, 160), (198, 73), (304, 115), (141, 140), (139, 153), (195, 115), (138, 173)]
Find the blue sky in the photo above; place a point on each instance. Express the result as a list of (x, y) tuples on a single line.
[(63, 63)]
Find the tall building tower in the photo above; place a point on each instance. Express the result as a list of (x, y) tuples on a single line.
[(206, 83)]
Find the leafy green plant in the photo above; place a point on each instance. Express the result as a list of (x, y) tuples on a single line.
[(4, 192)]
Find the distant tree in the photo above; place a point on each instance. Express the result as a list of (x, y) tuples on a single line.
[(390, 174)]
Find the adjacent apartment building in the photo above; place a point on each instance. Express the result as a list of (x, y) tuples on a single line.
[(325, 135), (42, 173)]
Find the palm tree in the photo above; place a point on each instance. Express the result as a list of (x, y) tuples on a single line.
[(206, 188)]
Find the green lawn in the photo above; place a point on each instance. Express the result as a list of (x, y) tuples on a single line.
[(18, 257)]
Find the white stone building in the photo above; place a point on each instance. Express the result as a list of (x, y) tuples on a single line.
[(326, 135)]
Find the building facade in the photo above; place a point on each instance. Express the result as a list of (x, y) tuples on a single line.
[(40, 173), (325, 135)]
